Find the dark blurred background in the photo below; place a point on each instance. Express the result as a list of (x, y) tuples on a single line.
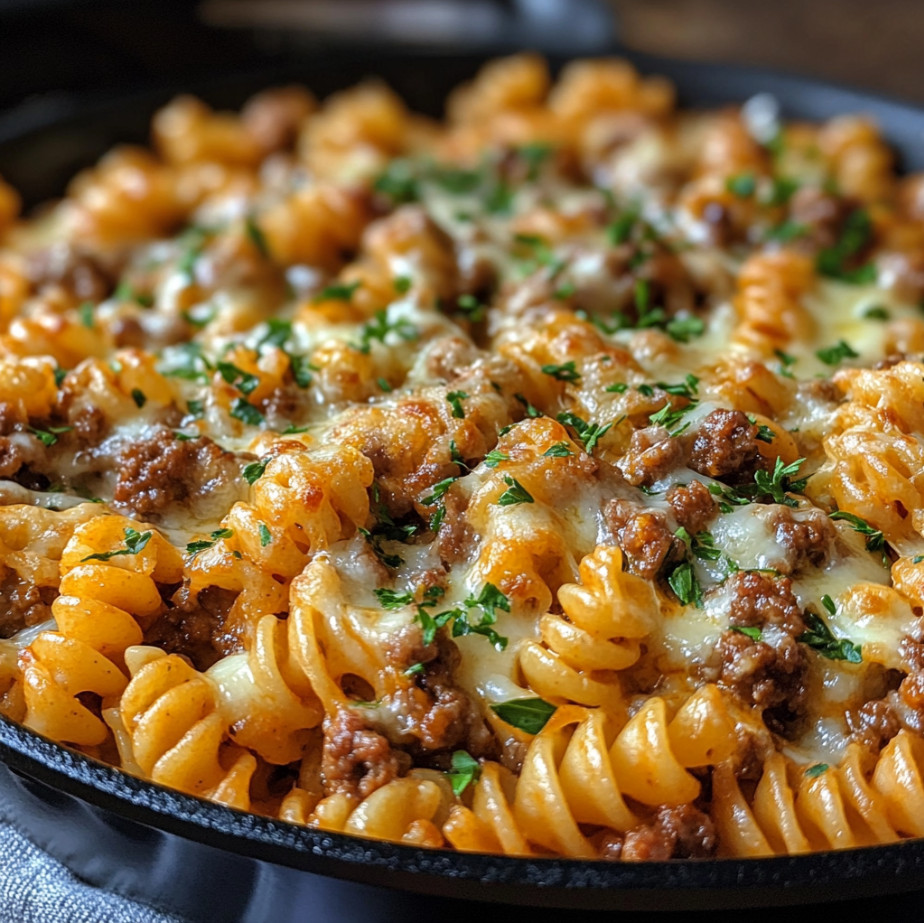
[(74, 44)]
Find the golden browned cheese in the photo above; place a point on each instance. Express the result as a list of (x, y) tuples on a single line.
[(544, 481)]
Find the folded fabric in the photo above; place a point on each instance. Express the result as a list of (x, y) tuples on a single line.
[(34, 888)]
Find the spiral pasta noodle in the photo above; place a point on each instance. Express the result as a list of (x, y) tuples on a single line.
[(544, 481)]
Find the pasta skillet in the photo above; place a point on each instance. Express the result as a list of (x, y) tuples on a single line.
[(543, 482)]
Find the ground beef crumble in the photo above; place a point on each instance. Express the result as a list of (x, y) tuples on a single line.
[(675, 832), (645, 537), (356, 760), (160, 470), (770, 673), (726, 447)]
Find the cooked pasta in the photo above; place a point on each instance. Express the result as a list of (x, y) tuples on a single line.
[(544, 481)]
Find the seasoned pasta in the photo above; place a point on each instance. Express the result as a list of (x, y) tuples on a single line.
[(548, 480)]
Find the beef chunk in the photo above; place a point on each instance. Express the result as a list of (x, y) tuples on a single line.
[(676, 832), (645, 536), (161, 470), (873, 724), (355, 760), (769, 672), (22, 604), (66, 265), (725, 447), (806, 536), (693, 506), (436, 714), (652, 455)]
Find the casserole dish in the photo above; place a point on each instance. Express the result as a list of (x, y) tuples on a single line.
[(267, 849)]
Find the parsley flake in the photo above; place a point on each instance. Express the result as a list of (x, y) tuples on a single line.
[(516, 493), (834, 355), (529, 715), (194, 548), (134, 543), (564, 372)]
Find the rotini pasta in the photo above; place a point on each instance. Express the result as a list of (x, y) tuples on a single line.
[(546, 482)]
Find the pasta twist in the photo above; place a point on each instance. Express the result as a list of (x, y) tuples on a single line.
[(410, 810), (605, 617), (824, 808), (331, 640), (861, 160), (876, 473), (770, 289), (266, 699), (128, 196), (170, 728), (306, 501), (97, 615), (14, 288), (577, 774)]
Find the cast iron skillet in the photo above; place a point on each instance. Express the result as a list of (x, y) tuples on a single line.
[(207, 862)]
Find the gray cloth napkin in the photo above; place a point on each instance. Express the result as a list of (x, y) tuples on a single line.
[(34, 888)]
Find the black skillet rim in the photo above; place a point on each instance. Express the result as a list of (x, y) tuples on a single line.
[(772, 881)]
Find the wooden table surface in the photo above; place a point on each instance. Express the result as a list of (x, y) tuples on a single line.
[(876, 45)]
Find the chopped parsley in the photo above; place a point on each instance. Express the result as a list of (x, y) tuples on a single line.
[(455, 399), (750, 631), (588, 434), (256, 236), (834, 355), (670, 418), (278, 333), (814, 771), (534, 155), (245, 382), (787, 231), (49, 437), (514, 494), (875, 540), (742, 185), (134, 543), (379, 328), (375, 543), (495, 457), (471, 307), (265, 537), (389, 599), (465, 771), (876, 312), (402, 284), (139, 397), (683, 329), (398, 182), (244, 411), (819, 637), (620, 230), (254, 471), (439, 491), (193, 241), (683, 581), (531, 411), (786, 361), (488, 601), (564, 372), (85, 314), (559, 450), (193, 548), (529, 715), (779, 483), (339, 291), (838, 261)]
